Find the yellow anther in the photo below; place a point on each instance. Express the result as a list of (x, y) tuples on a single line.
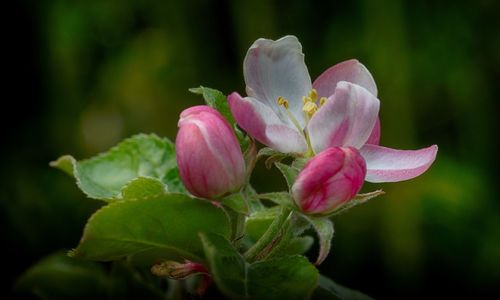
[(282, 102), (306, 99), (313, 94), (322, 101), (310, 108)]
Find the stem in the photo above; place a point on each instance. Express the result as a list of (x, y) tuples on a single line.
[(310, 151), (270, 238), (238, 229)]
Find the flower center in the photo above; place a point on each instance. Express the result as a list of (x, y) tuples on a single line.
[(309, 107)]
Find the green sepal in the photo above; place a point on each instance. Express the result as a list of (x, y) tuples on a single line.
[(215, 99), (324, 228)]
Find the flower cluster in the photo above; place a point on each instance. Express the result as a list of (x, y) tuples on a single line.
[(323, 136), (333, 123)]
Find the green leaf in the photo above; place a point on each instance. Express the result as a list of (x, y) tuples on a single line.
[(328, 289), (290, 173), (142, 187), (324, 228), (61, 277), (291, 277), (215, 99), (227, 266), (165, 227), (104, 176), (65, 163), (173, 179), (299, 245)]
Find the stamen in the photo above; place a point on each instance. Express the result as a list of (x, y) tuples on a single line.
[(310, 108), (322, 101), (313, 94), (306, 99), (282, 102)]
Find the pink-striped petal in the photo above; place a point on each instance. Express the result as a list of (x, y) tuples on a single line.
[(374, 138), (259, 121), (276, 68), (346, 119), (351, 71), (392, 165)]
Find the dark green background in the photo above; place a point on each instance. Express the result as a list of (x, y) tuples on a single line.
[(82, 75)]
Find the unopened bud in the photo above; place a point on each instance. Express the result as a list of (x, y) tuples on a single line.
[(329, 180), (208, 154)]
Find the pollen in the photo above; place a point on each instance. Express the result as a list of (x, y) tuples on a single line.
[(282, 102), (322, 101), (310, 108), (313, 94)]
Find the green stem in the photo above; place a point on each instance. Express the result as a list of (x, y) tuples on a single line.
[(310, 151), (273, 235), (238, 229)]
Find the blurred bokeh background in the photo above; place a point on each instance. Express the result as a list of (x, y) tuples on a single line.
[(83, 75)]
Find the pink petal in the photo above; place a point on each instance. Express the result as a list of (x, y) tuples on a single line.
[(259, 121), (277, 68), (351, 71), (392, 165), (346, 119), (209, 156), (374, 138)]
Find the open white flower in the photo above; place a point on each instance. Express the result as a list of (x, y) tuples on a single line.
[(286, 112)]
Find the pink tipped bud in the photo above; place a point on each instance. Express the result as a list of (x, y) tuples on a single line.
[(177, 270), (329, 180), (208, 154)]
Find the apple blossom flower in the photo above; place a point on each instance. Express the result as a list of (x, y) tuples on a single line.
[(286, 112), (208, 154), (329, 180)]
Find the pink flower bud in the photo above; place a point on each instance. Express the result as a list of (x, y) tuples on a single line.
[(208, 154), (329, 180), (177, 270)]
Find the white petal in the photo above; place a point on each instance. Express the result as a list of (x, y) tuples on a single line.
[(276, 68), (259, 121)]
